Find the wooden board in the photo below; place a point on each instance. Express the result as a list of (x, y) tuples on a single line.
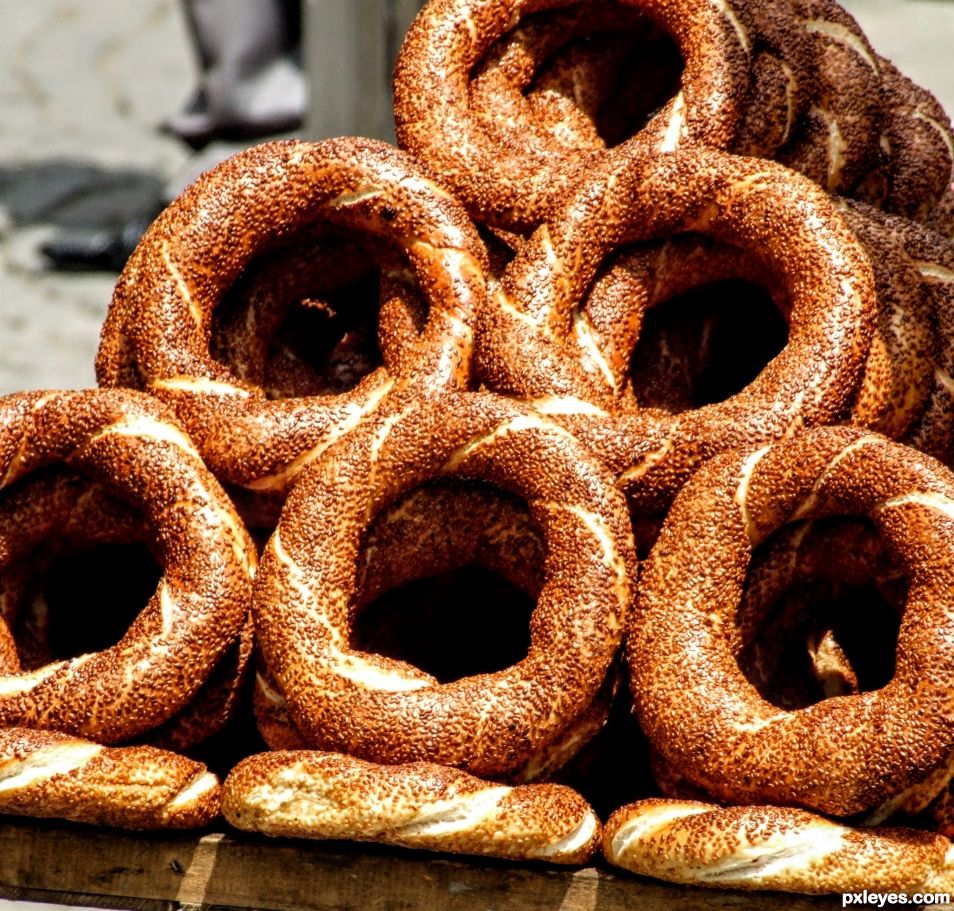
[(77, 864)]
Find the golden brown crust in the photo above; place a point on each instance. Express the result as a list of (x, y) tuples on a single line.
[(835, 141), (130, 442), (49, 774), (646, 275), (385, 709), (784, 80), (415, 805), (532, 344), (916, 149), (436, 528), (784, 602), (768, 847), (548, 78), (506, 184), (941, 218), (899, 372), (216, 703), (71, 513), (687, 685), (932, 255), (162, 309)]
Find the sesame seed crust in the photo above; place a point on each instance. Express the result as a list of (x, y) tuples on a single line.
[(157, 332), (129, 442), (769, 847), (525, 346), (509, 183), (308, 794), (50, 774), (689, 692), (387, 710)]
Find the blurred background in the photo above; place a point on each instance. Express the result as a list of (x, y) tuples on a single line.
[(102, 102)]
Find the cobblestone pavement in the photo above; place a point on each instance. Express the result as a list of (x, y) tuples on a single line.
[(84, 85)]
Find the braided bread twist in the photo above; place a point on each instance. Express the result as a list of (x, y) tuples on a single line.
[(49, 774), (415, 805), (767, 847)]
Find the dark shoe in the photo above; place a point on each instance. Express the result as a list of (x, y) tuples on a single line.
[(103, 249)]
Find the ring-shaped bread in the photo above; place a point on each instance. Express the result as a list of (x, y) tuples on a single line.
[(387, 710), (835, 142), (932, 254), (899, 372), (68, 513), (158, 328), (581, 78), (437, 529), (643, 276), (690, 695), (130, 442), (916, 149), (536, 342), (314, 317), (549, 79), (941, 218), (505, 184)]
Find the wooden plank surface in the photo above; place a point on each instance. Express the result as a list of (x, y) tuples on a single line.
[(58, 862)]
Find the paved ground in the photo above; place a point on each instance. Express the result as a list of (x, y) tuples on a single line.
[(83, 86)]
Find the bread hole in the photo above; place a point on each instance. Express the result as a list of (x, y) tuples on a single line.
[(83, 601), (831, 631), (450, 625), (451, 576), (649, 77), (302, 320), (706, 345), (604, 69)]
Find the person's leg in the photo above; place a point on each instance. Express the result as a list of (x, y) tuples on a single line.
[(252, 82)]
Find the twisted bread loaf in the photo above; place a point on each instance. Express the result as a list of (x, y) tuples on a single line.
[(415, 805), (768, 847), (49, 774)]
